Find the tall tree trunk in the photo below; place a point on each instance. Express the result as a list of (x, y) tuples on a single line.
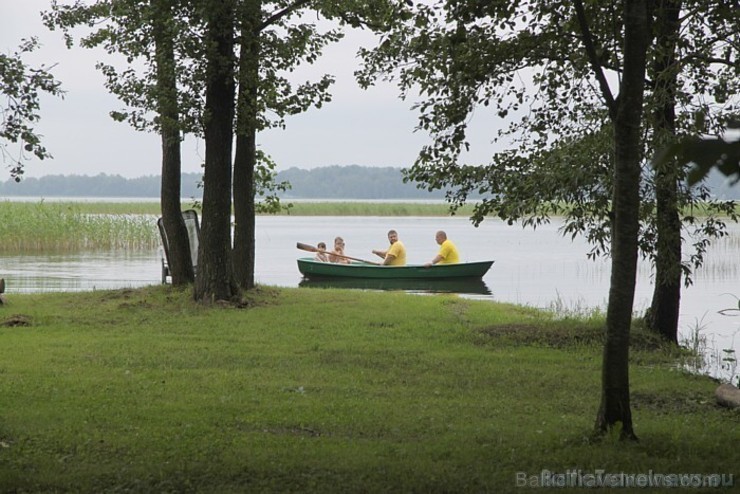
[(245, 159), (662, 316), (178, 251), (215, 280), (615, 409)]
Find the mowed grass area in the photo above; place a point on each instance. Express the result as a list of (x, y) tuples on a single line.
[(311, 390)]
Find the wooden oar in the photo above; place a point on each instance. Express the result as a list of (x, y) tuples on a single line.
[(311, 248)]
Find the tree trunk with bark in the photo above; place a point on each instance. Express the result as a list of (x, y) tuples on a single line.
[(215, 280), (663, 314), (178, 252), (614, 409), (245, 159)]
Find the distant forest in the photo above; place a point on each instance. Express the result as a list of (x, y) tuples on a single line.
[(330, 182)]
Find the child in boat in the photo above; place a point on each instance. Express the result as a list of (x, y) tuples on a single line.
[(321, 255), (338, 249)]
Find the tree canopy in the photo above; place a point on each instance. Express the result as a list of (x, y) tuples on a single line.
[(21, 86), (550, 84)]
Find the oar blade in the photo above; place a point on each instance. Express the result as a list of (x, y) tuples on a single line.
[(306, 247)]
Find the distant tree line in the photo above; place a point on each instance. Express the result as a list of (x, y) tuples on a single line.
[(331, 182), (352, 182), (101, 185)]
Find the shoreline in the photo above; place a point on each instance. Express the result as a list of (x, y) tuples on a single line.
[(292, 207)]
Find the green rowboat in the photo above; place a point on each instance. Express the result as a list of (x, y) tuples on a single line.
[(327, 270)]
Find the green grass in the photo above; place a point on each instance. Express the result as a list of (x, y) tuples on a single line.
[(53, 226), (298, 208), (64, 226), (310, 390), (374, 209)]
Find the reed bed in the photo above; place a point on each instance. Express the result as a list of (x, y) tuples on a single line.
[(351, 208), (295, 207), (49, 227)]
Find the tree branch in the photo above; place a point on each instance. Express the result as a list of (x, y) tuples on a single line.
[(282, 13), (593, 58)]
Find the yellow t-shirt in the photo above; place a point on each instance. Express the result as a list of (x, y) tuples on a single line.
[(398, 251), (448, 252)]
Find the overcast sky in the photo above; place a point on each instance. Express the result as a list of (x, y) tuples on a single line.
[(369, 128)]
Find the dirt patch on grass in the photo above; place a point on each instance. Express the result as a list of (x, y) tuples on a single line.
[(541, 335), (16, 320), (670, 404), (258, 296), (124, 293), (563, 334), (140, 304)]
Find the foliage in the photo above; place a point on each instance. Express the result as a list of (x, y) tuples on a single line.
[(20, 87), (123, 390), (124, 27), (517, 60), (704, 155)]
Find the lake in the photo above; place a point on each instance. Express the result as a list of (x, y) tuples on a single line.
[(538, 268)]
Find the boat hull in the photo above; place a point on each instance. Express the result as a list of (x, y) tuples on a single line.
[(325, 270), (469, 286)]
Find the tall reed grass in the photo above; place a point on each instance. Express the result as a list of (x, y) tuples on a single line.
[(351, 208), (297, 207), (45, 227)]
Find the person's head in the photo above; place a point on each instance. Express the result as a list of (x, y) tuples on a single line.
[(392, 236), (321, 246), (339, 242), (440, 237)]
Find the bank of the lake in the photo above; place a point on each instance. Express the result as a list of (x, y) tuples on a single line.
[(291, 207), (295, 207), (329, 391)]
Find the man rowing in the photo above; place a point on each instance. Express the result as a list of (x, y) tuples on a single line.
[(396, 254)]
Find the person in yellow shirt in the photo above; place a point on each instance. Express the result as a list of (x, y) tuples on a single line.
[(396, 254), (447, 254)]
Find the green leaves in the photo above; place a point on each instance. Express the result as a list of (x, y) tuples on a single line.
[(703, 154), (525, 63), (20, 88)]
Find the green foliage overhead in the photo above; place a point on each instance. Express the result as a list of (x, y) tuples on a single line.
[(20, 88), (125, 27), (704, 155), (526, 63)]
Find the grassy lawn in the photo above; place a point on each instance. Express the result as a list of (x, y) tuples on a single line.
[(311, 390)]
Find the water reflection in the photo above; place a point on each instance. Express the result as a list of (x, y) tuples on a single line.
[(78, 271), (460, 286)]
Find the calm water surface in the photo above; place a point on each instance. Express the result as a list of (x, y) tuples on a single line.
[(539, 268)]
